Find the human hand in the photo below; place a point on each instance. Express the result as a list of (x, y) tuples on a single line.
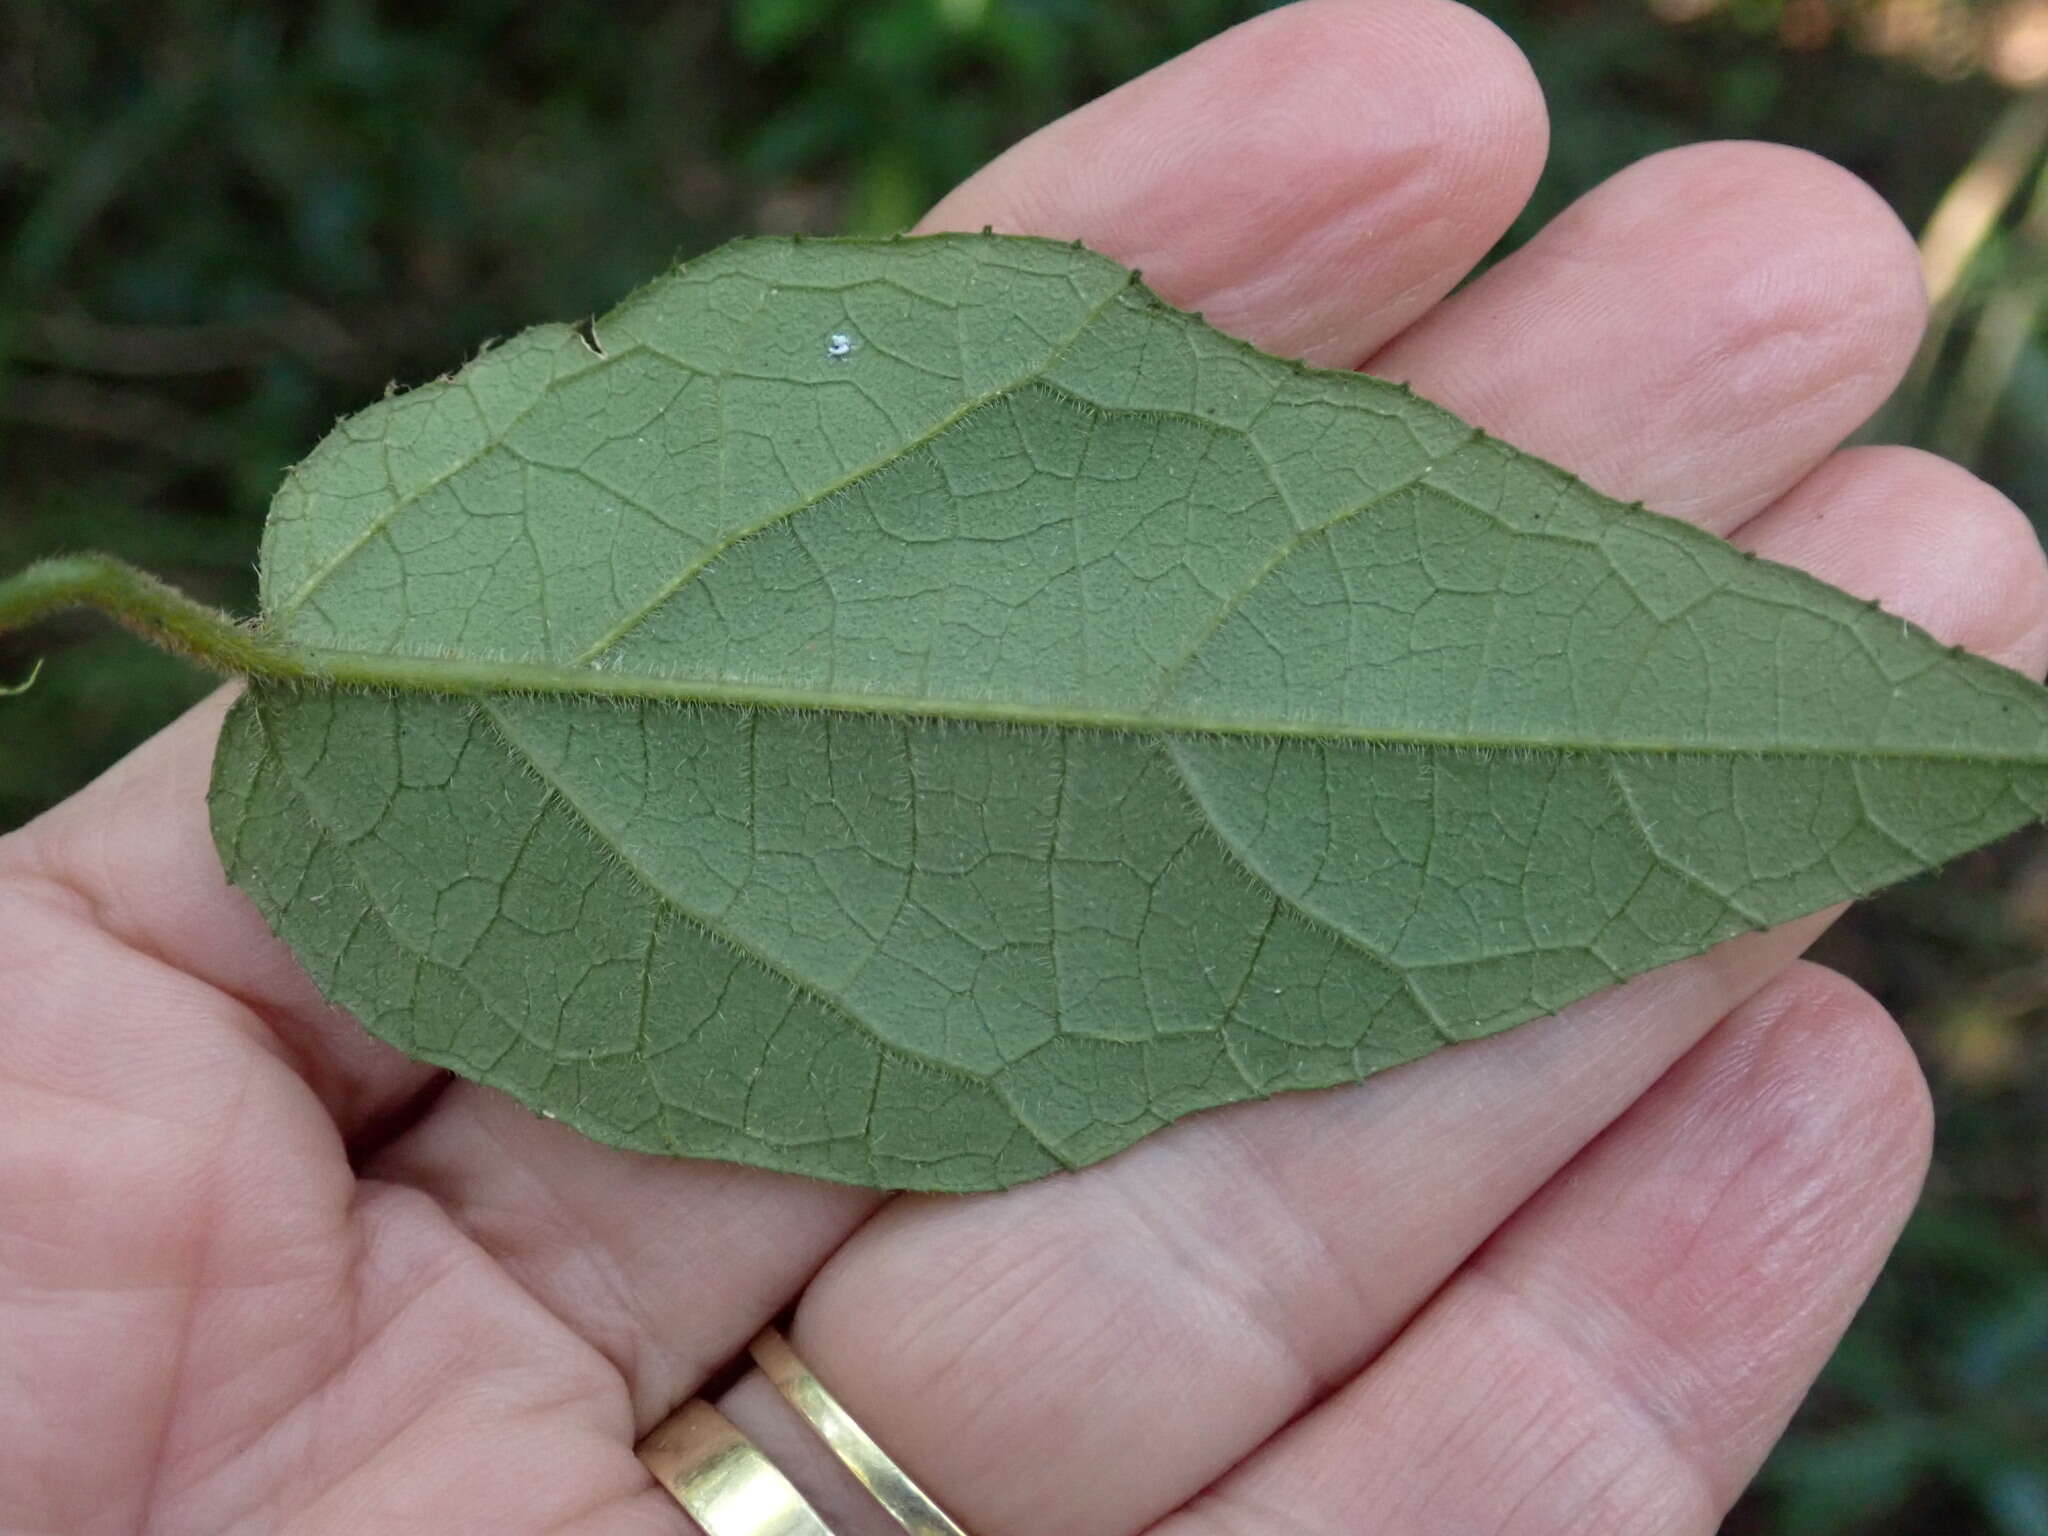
[(259, 1273)]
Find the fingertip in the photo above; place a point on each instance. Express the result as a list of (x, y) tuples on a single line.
[(1793, 1138), (1709, 1251), (1312, 180), (1826, 246), (1829, 1082), (1697, 332), (1926, 539), (1466, 93), (1791, 214)]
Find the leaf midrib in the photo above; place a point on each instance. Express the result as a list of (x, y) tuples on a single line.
[(457, 677)]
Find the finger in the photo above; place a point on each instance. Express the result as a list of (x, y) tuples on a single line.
[(1697, 332), (1621, 1357), (1366, 167), (1312, 180), (204, 1308), (135, 850), (136, 1144), (667, 1266), (1877, 519)]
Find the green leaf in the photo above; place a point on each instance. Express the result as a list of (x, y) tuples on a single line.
[(927, 713)]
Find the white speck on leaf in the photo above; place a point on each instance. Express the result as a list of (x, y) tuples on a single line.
[(841, 344)]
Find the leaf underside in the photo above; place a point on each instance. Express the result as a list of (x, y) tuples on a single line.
[(927, 713)]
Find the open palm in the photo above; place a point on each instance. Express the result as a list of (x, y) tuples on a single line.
[(260, 1273)]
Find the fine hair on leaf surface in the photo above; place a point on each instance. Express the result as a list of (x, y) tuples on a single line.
[(926, 713)]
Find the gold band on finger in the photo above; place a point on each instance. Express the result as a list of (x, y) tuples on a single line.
[(722, 1479), (889, 1483)]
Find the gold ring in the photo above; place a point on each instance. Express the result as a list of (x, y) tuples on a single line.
[(889, 1483), (722, 1479)]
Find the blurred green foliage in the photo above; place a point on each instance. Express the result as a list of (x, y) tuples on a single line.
[(222, 225)]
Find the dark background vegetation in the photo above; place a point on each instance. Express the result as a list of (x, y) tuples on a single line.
[(223, 225)]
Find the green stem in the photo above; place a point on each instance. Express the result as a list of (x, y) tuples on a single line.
[(16, 690), (136, 600)]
